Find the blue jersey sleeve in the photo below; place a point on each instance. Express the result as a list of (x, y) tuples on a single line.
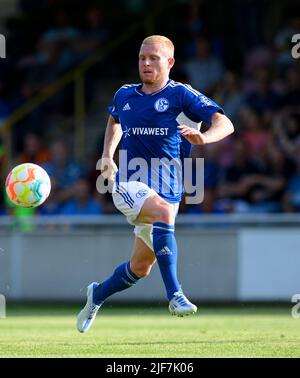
[(198, 107), (113, 109)]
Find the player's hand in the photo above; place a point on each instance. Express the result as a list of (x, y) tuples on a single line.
[(108, 168), (192, 135)]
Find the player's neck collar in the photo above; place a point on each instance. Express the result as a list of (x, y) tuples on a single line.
[(140, 92)]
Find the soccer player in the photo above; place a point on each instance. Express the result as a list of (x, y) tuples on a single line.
[(145, 117)]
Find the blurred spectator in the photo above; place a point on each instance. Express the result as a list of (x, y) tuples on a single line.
[(5, 106), (286, 130), (292, 93), (95, 34), (63, 31), (51, 62), (225, 151), (81, 202), (54, 53), (234, 186), (230, 95), (2, 157), (254, 184), (204, 71), (61, 166), (34, 151), (263, 98), (64, 170), (255, 136), (195, 20), (250, 22), (53, 204), (195, 25), (257, 58), (271, 182), (211, 178), (105, 202)]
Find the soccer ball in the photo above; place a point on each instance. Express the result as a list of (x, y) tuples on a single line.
[(28, 185)]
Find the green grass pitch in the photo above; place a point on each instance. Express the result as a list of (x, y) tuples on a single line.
[(243, 331)]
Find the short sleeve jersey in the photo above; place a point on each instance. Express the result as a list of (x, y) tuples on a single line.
[(152, 147)]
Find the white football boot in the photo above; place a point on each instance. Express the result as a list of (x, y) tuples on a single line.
[(87, 315), (179, 305)]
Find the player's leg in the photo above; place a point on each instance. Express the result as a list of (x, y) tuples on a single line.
[(123, 277), (142, 258), (127, 274), (156, 209), (161, 215), (126, 201)]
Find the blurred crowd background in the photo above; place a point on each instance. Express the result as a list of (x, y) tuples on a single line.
[(236, 52)]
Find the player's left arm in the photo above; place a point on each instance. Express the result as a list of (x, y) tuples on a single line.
[(221, 127)]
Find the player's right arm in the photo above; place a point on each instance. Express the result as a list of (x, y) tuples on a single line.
[(197, 107), (113, 135)]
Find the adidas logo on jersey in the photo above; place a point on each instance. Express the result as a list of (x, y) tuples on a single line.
[(127, 107), (164, 251)]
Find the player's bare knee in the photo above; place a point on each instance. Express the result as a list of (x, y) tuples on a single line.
[(141, 269), (164, 214), (144, 272)]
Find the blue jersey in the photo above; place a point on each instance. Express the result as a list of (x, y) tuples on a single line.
[(150, 132)]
